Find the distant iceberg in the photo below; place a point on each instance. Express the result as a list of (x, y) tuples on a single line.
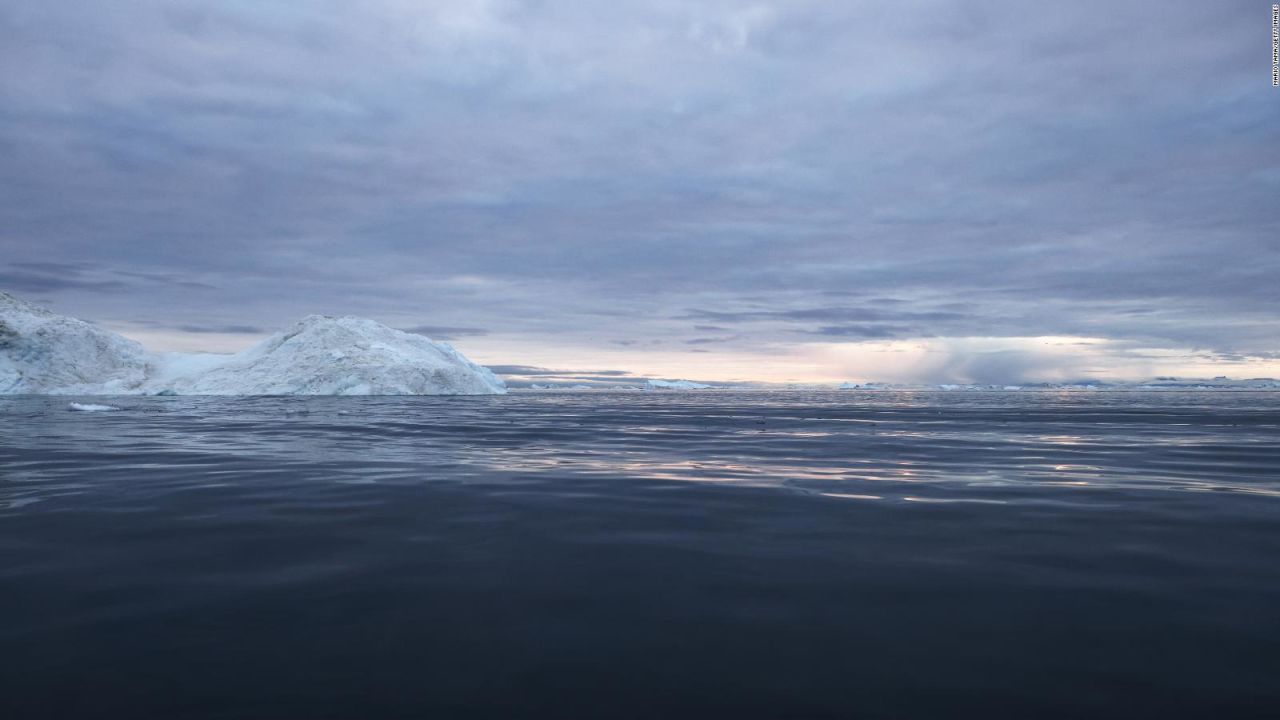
[(45, 353), (674, 385), (866, 386)]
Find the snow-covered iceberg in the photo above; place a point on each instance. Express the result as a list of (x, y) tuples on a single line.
[(45, 353), (674, 385), (341, 356)]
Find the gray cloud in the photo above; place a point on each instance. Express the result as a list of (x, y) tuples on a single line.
[(44, 283), (46, 277), (445, 332), (530, 370), (1001, 366), (863, 331), (566, 175), (829, 314), (241, 329), (526, 375)]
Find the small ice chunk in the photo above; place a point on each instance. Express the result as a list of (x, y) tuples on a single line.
[(90, 407)]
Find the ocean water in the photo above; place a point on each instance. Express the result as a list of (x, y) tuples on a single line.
[(642, 555)]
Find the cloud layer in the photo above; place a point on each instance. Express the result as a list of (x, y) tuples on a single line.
[(651, 179)]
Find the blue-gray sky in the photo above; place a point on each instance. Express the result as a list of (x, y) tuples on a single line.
[(943, 191)]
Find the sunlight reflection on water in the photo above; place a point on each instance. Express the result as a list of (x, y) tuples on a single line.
[(744, 547), (897, 446)]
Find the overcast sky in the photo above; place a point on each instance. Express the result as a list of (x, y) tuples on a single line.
[(802, 190)]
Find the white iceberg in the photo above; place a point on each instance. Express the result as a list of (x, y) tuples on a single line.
[(674, 385), (45, 353), (865, 386), (341, 356)]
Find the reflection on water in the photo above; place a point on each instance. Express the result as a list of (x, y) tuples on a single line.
[(1026, 446), (745, 554)]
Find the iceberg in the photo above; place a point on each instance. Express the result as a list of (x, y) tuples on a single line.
[(45, 353), (674, 385), (323, 355)]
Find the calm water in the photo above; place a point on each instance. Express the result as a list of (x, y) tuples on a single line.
[(649, 555)]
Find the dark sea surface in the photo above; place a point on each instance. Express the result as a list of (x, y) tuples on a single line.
[(643, 555)]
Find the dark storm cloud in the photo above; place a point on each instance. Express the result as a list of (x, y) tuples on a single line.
[(796, 171)]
